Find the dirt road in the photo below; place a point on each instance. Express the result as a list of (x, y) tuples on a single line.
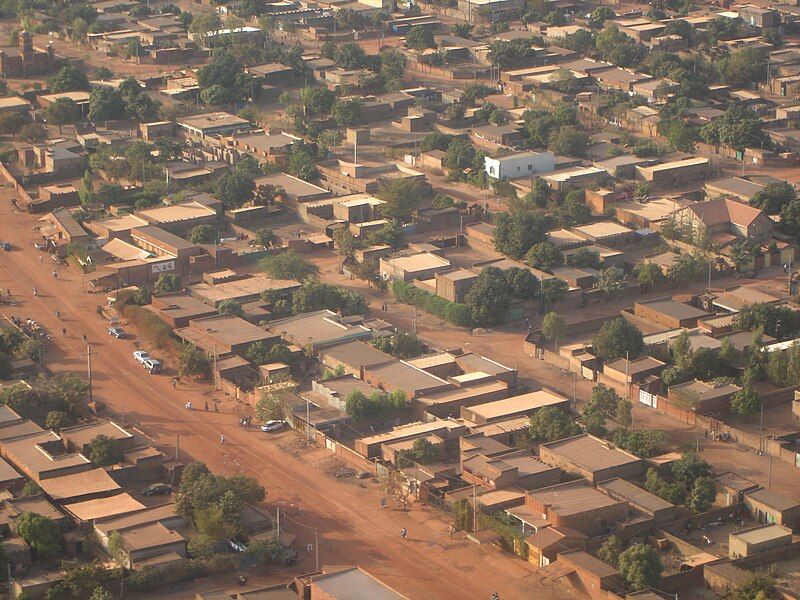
[(353, 528)]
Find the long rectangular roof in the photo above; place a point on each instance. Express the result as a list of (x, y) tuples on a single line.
[(591, 453)]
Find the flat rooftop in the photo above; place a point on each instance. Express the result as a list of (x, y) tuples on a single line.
[(590, 452), (531, 401), (227, 330), (572, 498), (65, 487), (418, 262), (675, 309), (354, 584), (100, 508), (176, 213), (603, 229), (318, 328), (241, 288), (212, 120), (291, 185), (357, 354), (764, 533), (637, 496)]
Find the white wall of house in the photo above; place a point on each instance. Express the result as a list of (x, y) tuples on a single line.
[(523, 164)]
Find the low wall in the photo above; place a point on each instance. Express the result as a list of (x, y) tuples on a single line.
[(768, 557)]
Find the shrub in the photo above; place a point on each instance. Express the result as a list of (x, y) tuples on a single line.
[(153, 329), (457, 314)]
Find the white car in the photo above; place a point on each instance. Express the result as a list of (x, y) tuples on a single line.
[(141, 356), (274, 425)]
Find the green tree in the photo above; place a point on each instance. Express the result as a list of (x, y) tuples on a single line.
[(314, 295), (641, 566), (271, 406), (549, 424), (216, 95), (42, 534), (105, 104), (688, 468), (204, 23), (744, 67), (400, 345), (758, 586), (610, 550), (649, 275), (68, 79), (702, 494), (773, 197), (302, 165), (645, 443), (317, 100), (687, 268), (58, 419), (104, 450), (611, 280), (488, 298), (569, 141), (544, 256), (402, 197), (288, 265), (521, 283), (585, 258), (193, 362), (553, 291), (350, 56), (393, 67), (167, 283), (202, 234), (230, 307), (553, 327), (63, 111), (420, 37), (348, 113), (617, 338), (745, 402), (422, 452), (515, 234), (234, 189)]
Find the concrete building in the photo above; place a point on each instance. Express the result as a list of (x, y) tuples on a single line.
[(675, 173), (577, 505), (703, 397), (416, 266), (669, 313), (519, 164), (178, 309), (218, 286), (624, 371), (27, 60), (733, 487), (319, 329), (639, 500), (525, 404), (756, 540), (769, 507), (180, 218), (607, 233), (447, 431), (221, 335), (353, 356), (514, 469), (726, 221), (162, 243), (346, 583), (454, 285), (590, 457), (212, 124)]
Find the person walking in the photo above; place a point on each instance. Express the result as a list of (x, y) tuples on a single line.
[(35, 292), (55, 275), (205, 408), (404, 533), (174, 382), (221, 439), (64, 331), (216, 408), (84, 338), (58, 315)]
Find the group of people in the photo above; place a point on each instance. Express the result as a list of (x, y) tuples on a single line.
[(244, 422)]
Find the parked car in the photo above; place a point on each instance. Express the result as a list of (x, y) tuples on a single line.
[(117, 332), (5, 246), (157, 489), (274, 425), (141, 356), (153, 366)]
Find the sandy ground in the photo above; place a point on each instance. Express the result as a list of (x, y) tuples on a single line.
[(353, 529)]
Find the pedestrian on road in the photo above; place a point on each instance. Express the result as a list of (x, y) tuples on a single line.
[(452, 531), (403, 533), (35, 293), (205, 408), (41, 259), (174, 382), (64, 331), (58, 315), (216, 408), (55, 275), (222, 439), (84, 338), (495, 596)]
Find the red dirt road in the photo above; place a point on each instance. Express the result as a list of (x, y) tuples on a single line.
[(352, 527)]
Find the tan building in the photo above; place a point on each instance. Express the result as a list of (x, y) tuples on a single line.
[(525, 404), (675, 173), (416, 266), (756, 540), (726, 220), (590, 457)]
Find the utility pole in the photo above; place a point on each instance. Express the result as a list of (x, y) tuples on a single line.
[(474, 507), (89, 368)]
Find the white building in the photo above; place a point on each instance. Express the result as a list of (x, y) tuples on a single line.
[(520, 164)]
